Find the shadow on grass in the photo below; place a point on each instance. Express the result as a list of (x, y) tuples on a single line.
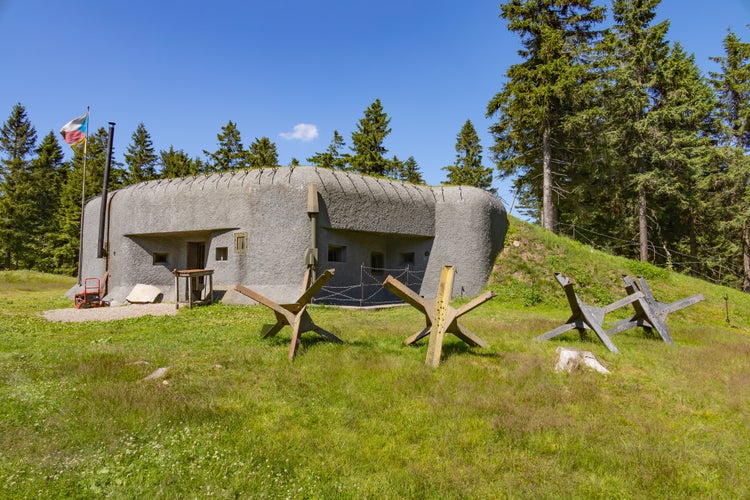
[(307, 340), (457, 348), (451, 349)]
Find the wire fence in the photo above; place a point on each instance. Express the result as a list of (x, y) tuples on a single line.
[(716, 271), (370, 290)]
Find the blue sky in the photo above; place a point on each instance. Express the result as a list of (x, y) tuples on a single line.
[(185, 68)]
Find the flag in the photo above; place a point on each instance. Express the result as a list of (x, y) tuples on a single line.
[(75, 130)]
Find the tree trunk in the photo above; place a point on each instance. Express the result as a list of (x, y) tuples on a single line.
[(746, 257), (548, 211), (696, 269), (642, 223)]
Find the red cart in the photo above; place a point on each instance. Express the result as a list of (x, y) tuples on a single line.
[(91, 295)]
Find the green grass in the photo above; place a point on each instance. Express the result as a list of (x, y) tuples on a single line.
[(368, 419)]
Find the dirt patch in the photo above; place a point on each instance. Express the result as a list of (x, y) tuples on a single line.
[(109, 313)]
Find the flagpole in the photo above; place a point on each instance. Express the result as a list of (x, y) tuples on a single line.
[(83, 194)]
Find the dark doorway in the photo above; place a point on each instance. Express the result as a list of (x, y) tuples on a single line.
[(196, 255), (196, 259)]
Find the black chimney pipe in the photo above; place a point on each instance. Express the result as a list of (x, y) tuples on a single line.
[(103, 209)]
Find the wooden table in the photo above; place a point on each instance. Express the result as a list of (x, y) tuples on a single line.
[(189, 274)]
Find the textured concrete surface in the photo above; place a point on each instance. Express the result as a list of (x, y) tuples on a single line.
[(151, 224)]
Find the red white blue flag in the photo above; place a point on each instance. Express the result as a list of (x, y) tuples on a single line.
[(75, 130)]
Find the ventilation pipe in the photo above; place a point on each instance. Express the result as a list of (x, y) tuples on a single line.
[(100, 252), (311, 257)]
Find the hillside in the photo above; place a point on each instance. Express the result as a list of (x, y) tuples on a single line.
[(233, 418), (524, 276)]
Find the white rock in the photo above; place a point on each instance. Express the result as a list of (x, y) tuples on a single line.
[(571, 359), (143, 294), (160, 373)]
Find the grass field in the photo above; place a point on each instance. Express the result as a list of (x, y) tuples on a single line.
[(367, 418)]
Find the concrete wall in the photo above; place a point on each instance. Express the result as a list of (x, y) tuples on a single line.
[(357, 263), (461, 226), (470, 227)]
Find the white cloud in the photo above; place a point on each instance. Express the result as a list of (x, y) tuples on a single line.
[(302, 131)]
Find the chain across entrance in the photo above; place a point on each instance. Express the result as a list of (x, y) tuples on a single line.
[(370, 290)]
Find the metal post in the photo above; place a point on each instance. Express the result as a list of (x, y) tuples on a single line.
[(83, 198), (726, 306), (103, 209)]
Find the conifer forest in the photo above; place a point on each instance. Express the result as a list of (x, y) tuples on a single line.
[(606, 127)]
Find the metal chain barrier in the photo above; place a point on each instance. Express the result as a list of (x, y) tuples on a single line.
[(370, 291)]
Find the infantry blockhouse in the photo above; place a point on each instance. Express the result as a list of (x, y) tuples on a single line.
[(262, 228)]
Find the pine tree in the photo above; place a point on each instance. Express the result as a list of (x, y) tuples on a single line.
[(332, 158), (728, 186), (468, 169), (732, 86), (395, 168), (17, 139), (48, 173), (542, 93), (178, 164), (263, 154), (369, 152), (682, 120), (231, 154), (140, 158), (634, 51), (17, 142), (410, 172)]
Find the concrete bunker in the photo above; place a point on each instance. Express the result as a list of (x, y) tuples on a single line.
[(262, 228)]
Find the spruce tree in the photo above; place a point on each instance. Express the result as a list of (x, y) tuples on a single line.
[(541, 94), (664, 120), (367, 142), (468, 169), (140, 158), (17, 142), (48, 173), (178, 164), (728, 185), (395, 168), (332, 157), (634, 49), (231, 154), (682, 147), (262, 153), (411, 172), (732, 85)]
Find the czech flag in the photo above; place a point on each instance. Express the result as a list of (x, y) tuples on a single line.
[(75, 130)]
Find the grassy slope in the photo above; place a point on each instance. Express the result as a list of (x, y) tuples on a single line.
[(524, 275), (368, 418)]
